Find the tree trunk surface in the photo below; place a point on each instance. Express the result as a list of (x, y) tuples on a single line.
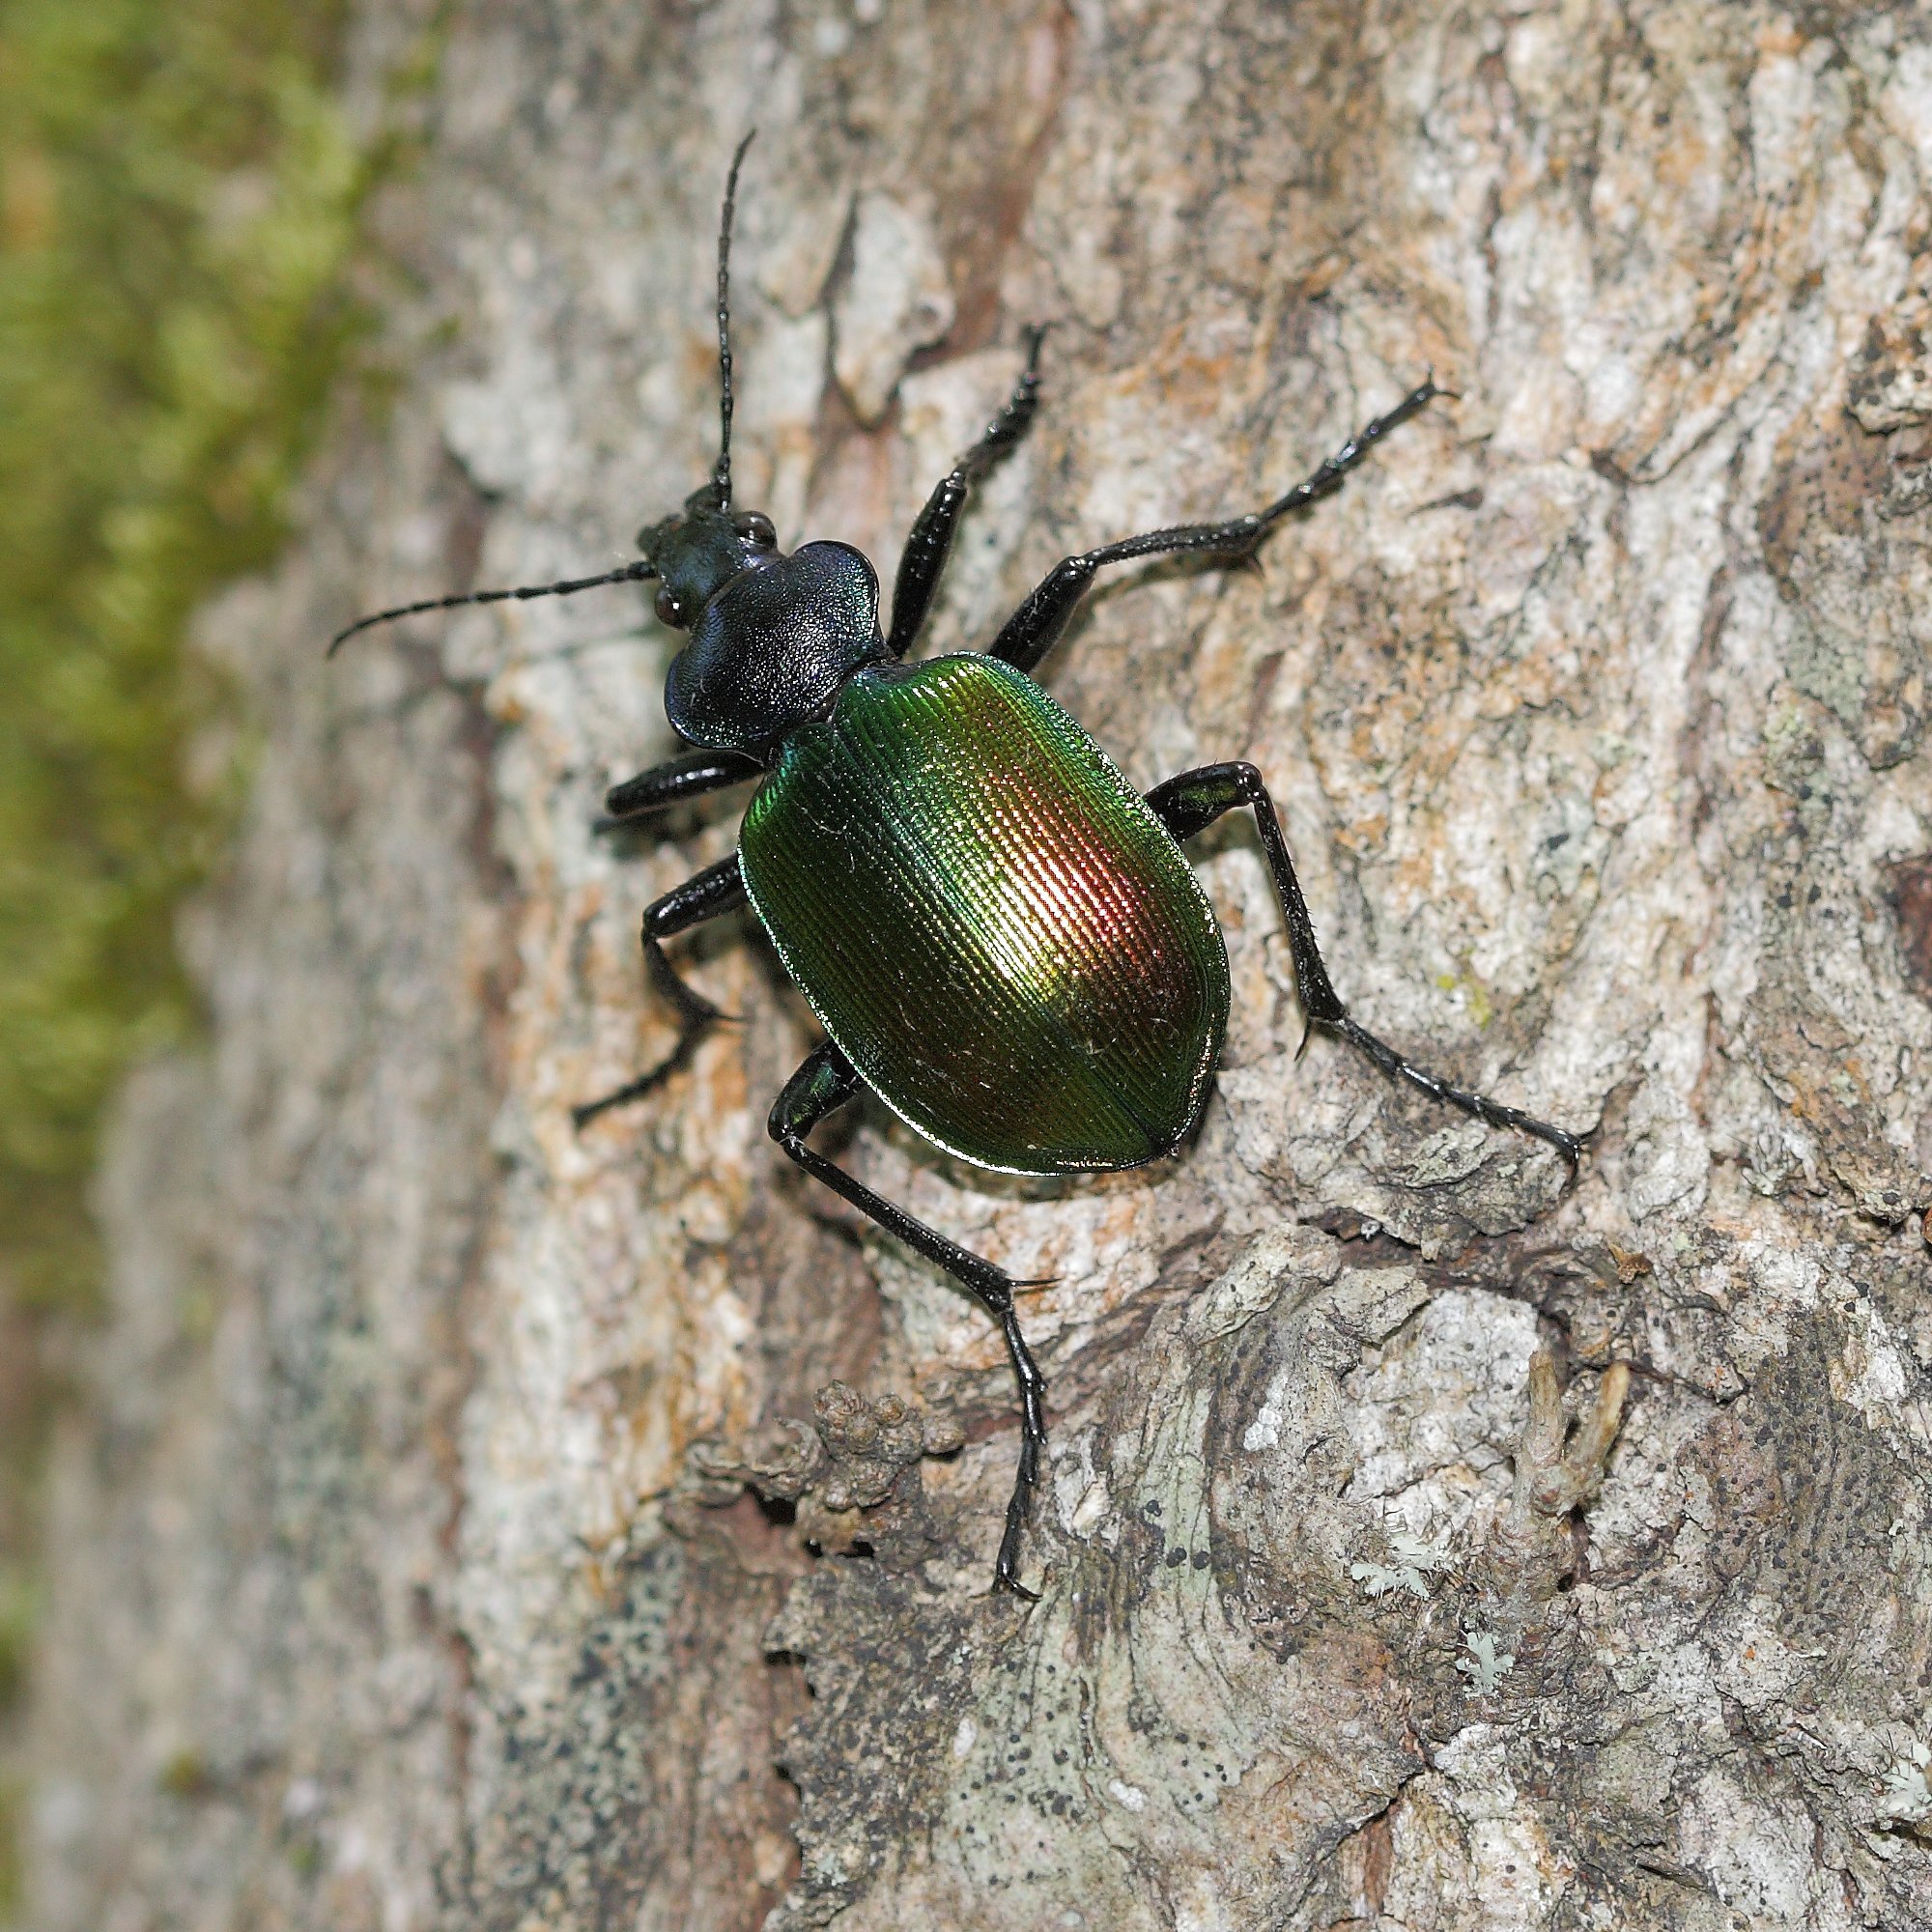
[(462, 1525)]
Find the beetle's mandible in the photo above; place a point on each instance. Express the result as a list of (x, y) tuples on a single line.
[(1002, 939)]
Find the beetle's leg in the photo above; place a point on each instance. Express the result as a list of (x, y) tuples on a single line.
[(718, 889), (1194, 800), (932, 536), (688, 777), (1032, 630), (822, 1085)]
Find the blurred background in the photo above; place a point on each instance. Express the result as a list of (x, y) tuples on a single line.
[(179, 201)]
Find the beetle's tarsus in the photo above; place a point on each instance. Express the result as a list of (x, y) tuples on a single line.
[(1032, 630), (931, 535), (824, 1082), (718, 889), (679, 1056), (1007, 1569), (1491, 1113), (1014, 1588)]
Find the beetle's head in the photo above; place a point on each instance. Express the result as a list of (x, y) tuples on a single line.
[(771, 649), (696, 552)]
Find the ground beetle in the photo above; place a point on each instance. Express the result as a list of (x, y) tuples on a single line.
[(1000, 936)]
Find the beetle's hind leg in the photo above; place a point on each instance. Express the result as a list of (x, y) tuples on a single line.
[(718, 889), (932, 536), (1191, 802), (822, 1085)]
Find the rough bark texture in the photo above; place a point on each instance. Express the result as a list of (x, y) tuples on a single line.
[(407, 1573)]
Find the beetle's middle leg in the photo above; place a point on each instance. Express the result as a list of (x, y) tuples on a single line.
[(718, 889), (1191, 802), (932, 536), (822, 1085)]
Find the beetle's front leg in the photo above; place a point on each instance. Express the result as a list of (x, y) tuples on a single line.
[(718, 889), (932, 536), (1191, 802), (822, 1085), (1036, 627), (675, 779)]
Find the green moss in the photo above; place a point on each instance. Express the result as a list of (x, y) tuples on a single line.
[(178, 202), (12, 1796), (17, 1605), (185, 1776), (179, 194)]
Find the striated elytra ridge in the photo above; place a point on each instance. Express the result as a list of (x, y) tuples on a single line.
[(988, 919)]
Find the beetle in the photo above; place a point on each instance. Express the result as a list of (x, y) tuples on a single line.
[(1001, 938)]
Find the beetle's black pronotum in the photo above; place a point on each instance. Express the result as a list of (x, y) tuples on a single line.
[(1002, 939)]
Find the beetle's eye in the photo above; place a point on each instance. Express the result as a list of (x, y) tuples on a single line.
[(670, 609), (756, 526)]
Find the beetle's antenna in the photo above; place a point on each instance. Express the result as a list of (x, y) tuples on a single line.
[(721, 477), (631, 573)]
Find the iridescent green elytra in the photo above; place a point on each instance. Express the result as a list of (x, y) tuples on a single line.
[(989, 921)]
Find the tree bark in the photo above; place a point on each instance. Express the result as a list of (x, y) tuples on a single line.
[(449, 1538)]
